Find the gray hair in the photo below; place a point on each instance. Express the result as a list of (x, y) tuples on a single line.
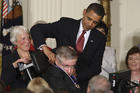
[(66, 52), (95, 84), (16, 30)]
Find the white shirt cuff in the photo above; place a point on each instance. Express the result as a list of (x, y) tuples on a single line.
[(40, 47)]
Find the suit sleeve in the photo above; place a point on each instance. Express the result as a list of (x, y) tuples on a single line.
[(40, 32), (60, 82), (57, 80), (9, 73)]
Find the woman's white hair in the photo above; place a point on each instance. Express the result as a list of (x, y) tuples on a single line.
[(16, 30)]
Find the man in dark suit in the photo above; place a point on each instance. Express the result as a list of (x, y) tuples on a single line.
[(60, 75), (67, 31)]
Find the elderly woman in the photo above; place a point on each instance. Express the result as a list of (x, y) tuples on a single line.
[(11, 75), (128, 81)]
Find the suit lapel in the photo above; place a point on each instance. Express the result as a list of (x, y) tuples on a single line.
[(91, 40), (15, 55), (66, 76)]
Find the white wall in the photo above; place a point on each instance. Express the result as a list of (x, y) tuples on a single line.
[(125, 27), (52, 10), (74, 8), (124, 16)]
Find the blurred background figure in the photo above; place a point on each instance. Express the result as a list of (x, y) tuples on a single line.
[(102, 28), (99, 84), (109, 64), (38, 85)]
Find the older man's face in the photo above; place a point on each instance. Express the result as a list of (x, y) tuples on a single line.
[(68, 65)]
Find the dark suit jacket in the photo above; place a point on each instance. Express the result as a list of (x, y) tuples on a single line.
[(65, 32), (58, 79), (121, 82), (10, 75)]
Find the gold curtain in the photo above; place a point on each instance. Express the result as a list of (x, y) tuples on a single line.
[(107, 19)]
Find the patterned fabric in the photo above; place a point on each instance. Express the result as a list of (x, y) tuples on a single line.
[(135, 89), (5, 8), (12, 16)]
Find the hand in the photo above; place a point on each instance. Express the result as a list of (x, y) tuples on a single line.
[(71, 47), (49, 54), (24, 60)]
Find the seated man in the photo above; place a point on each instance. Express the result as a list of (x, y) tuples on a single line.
[(60, 75), (99, 84)]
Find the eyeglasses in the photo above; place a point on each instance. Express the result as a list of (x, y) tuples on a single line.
[(68, 66), (137, 58)]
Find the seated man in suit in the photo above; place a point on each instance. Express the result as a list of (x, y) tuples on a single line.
[(60, 75), (99, 84)]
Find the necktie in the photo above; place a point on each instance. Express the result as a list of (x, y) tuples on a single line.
[(80, 42)]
